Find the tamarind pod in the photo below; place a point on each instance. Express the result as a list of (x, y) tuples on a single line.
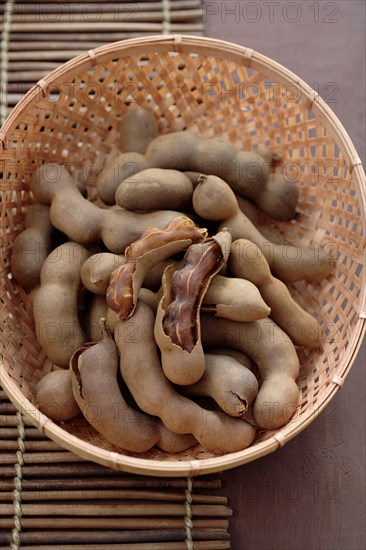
[(96, 272), (150, 249), (214, 200), (155, 189), (150, 298), (139, 361), (93, 369), (247, 173), (177, 327), (83, 221), (193, 176), (137, 129), (123, 166), (274, 353), (54, 396), (239, 356), (32, 246), (55, 303), (268, 231), (246, 260), (234, 298), (95, 308), (231, 385), (272, 158)]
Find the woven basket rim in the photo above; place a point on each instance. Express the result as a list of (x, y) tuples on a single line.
[(262, 63)]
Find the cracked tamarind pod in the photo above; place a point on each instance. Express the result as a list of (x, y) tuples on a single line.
[(177, 327), (154, 394), (93, 369), (97, 270), (154, 246)]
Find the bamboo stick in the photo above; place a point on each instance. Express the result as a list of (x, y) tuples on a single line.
[(3, 396), (102, 2), (107, 482), (21, 42), (100, 17), (118, 509), (60, 56), (11, 420), (28, 76), (106, 494), (39, 458), (6, 408), (30, 446), (150, 4), (14, 98), (113, 523), (67, 469), (130, 26), (112, 536), (85, 469), (198, 545), (75, 7), (87, 40), (16, 66), (13, 433)]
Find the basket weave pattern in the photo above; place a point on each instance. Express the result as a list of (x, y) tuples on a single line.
[(212, 88)]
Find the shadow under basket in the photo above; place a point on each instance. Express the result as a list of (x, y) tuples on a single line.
[(212, 88)]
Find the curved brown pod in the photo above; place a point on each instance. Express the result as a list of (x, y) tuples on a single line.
[(247, 173), (139, 361), (93, 371), (137, 129), (84, 222), (54, 396), (55, 303), (214, 200), (177, 327), (274, 353), (247, 261), (32, 246), (231, 385), (234, 298), (155, 189), (123, 166)]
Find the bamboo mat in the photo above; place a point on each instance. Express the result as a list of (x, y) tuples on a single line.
[(52, 499), (37, 36)]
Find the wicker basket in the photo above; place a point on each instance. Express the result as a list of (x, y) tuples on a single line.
[(214, 88)]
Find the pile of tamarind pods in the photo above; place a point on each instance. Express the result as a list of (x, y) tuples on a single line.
[(163, 304)]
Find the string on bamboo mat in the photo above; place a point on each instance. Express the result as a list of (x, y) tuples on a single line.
[(18, 484), (166, 17), (4, 60), (188, 517)]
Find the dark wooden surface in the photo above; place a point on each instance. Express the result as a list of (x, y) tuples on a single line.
[(310, 495)]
